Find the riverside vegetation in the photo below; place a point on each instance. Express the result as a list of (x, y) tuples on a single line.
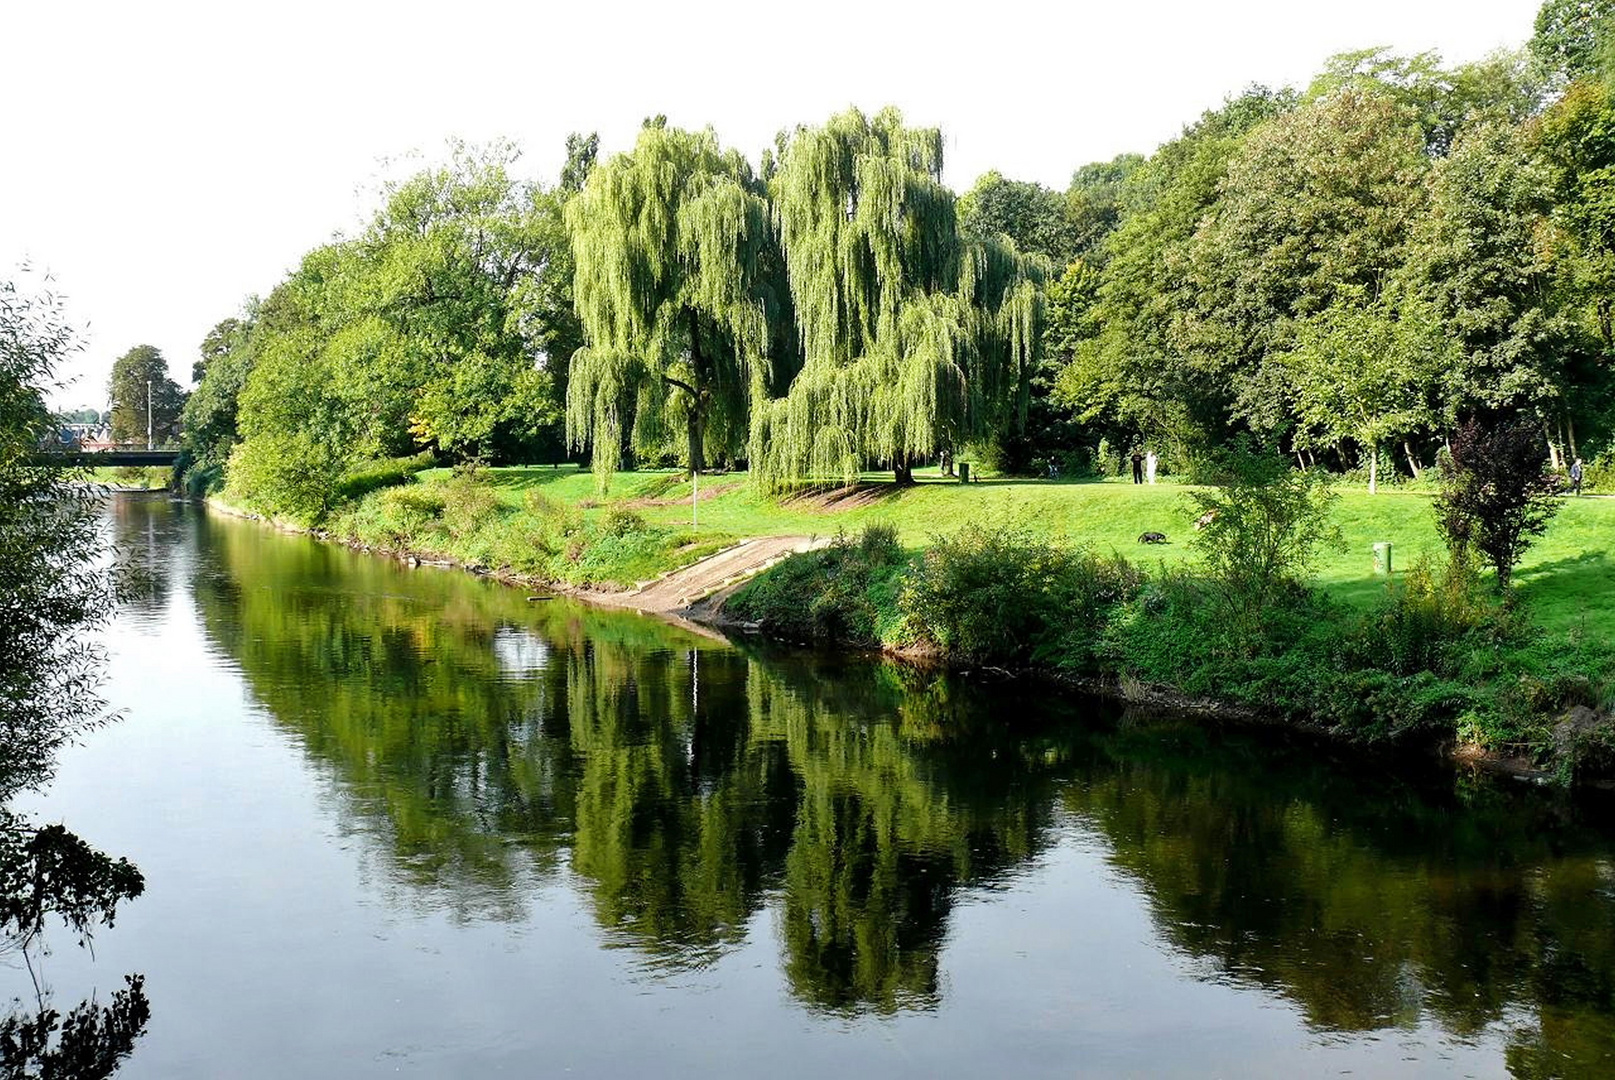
[(1346, 276), (1031, 575)]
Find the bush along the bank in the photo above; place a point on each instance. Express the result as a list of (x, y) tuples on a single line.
[(1441, 656), (1437, 658), (1008, 597), (845, 594), (461, 516)]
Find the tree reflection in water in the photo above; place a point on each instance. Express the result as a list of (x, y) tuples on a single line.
[(689, 784)]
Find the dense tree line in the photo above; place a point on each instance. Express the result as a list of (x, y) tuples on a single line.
[(1345, 272)]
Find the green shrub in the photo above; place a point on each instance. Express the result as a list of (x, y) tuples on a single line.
[(398, 518), (468, 504), (1263, 526), (1106, 461), (1007, 596), (1425, 620), (878, 545), (285, 474), (620, 521), (1598, 475), (845, 593)]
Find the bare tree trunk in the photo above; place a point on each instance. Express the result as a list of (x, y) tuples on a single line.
[(1570, 437), (1413, 462), (1373, 468), (1553, 451)]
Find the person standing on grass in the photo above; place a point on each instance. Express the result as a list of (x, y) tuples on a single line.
[(1151, 463), (1575, 477), (1138, 466)]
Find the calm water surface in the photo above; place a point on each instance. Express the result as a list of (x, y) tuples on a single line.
[(402, 822)]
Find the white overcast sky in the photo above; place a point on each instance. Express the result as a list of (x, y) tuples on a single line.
[(164, 161)]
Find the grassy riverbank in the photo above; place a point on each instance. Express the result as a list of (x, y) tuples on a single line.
[(549, 522), (1433, 658), (1050, 575)]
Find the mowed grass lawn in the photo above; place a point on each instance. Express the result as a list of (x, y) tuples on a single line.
[(1568, 576)]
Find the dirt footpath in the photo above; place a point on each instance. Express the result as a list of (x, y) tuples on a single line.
[(682, 588)]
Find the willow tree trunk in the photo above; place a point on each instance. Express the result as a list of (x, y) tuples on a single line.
[(903, 470), (696, 425), (697, 436)]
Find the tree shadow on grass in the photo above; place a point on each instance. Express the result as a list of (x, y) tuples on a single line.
[(1573, 593), (1576, 592)]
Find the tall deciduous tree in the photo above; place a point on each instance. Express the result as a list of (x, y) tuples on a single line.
[(1029, 214), (1478, 258), (417, 333), (672, 244), (913, 341), (1133, 374), (1317, 200), (1575, 39), (1094, 202), (1578, 138), (1367, 372), (141, 391), (227, 356)]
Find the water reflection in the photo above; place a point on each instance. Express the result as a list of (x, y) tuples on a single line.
[(688, 785), (143, 544), (1370, 903)]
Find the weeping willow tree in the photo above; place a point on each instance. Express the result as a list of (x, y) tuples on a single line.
[(914, 341), (673, 246)]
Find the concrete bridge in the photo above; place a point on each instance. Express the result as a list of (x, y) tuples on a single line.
[(95, 459)]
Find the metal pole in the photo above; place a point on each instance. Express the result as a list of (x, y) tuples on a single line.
[(148, 414)]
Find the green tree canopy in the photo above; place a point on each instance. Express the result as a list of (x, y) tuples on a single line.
[(1132, 372), (428, 330), (914, 341), (1479, 259), (1574, 39), (1367, 372), (1031, 215), (673, 247), (1578, 139), (144, 399), (1094, 201), (1316, 200)]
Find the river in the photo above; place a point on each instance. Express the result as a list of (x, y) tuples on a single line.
[(406, 822)]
